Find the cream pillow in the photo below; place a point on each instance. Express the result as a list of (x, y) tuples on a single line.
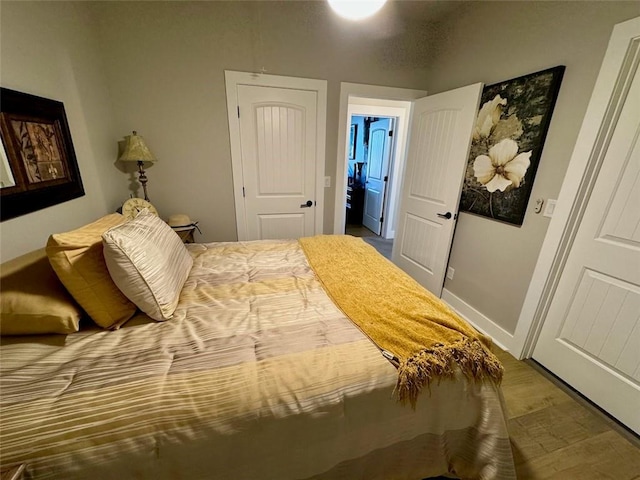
[(77, 259), (33, 301), (148, 262)]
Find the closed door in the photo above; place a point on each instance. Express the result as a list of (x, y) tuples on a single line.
[(278, 143), (377, 174), (591, 334), (437, 156)]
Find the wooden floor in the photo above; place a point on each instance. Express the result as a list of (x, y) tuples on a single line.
[(358, 231), (556, 434), (382, 245)]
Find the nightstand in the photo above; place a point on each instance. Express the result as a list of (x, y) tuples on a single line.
[(186, 235), (13, 472), (183, 226)]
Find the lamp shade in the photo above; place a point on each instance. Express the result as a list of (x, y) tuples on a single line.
[(136, 150)]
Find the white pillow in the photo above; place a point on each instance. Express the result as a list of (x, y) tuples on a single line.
[(148, 262)]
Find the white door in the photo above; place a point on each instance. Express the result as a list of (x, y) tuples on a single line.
[(438, 149), (277, 130), (278, 141), (377, 174), (591, 334)]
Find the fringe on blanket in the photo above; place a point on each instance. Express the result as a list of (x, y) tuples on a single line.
[(440, 361)]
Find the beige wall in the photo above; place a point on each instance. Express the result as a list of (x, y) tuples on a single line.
[(47, 49), (159, 68), (495, 41), (166, 75)]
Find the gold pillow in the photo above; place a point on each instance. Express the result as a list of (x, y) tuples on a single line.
[(33, 300), (77, 259)]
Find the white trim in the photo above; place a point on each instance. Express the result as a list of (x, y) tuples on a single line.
[(232, 80), (575, 189), (499, 335), (372, 95)]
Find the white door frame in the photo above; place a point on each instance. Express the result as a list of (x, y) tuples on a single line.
[(366, 107), (614, 79), (371, 96), (232, 80)]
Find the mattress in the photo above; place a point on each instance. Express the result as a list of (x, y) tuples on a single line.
[(257, 375)]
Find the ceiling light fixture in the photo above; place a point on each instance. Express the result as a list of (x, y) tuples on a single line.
[(356, 9)]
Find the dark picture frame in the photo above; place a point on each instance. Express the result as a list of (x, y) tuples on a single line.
[(509, 134), (39, 152), (353, 137)]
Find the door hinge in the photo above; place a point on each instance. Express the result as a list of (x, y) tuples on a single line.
[(391, 133), (382, 219), (243, 194), (238, 111), (386, 178)]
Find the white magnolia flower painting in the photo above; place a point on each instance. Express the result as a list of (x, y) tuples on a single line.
[(508, 136), (503, 168), (488, 117)]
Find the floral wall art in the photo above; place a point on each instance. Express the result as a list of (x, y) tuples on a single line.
[(40, 165), (507, 143)]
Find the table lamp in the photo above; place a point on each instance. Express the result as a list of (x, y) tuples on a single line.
[(136, 150)]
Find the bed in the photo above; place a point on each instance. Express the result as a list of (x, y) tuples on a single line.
[(258, 373)]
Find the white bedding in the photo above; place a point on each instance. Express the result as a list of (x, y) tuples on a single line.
[(258, 376)]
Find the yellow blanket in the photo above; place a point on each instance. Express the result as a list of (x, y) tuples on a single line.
[(418, 332)]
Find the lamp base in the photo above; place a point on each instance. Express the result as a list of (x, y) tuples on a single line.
[(142, 178)]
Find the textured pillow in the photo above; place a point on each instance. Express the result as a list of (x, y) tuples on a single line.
[(33, 300), (77, 259), (148, 262)]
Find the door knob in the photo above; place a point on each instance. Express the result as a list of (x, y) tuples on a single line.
[(445, 215), (307, 205)]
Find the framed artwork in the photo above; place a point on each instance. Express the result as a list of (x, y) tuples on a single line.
[(353, 136), (38, 166), (508, 137)]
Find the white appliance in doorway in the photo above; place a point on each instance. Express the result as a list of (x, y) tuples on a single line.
[(277, 132)]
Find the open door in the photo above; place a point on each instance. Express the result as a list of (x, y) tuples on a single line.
[(439, 145), (377, 174)]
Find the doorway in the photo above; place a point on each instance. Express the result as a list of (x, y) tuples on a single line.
[(422, 235), (277, 129), (369, 165), (371, 100)]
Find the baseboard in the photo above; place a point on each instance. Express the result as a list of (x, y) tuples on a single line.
[(500, 336)]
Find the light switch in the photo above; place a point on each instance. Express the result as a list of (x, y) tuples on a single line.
[(551, 206), (327, 182)]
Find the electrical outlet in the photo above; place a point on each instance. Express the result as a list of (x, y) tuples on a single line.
[(327, 182), (450, 272)]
